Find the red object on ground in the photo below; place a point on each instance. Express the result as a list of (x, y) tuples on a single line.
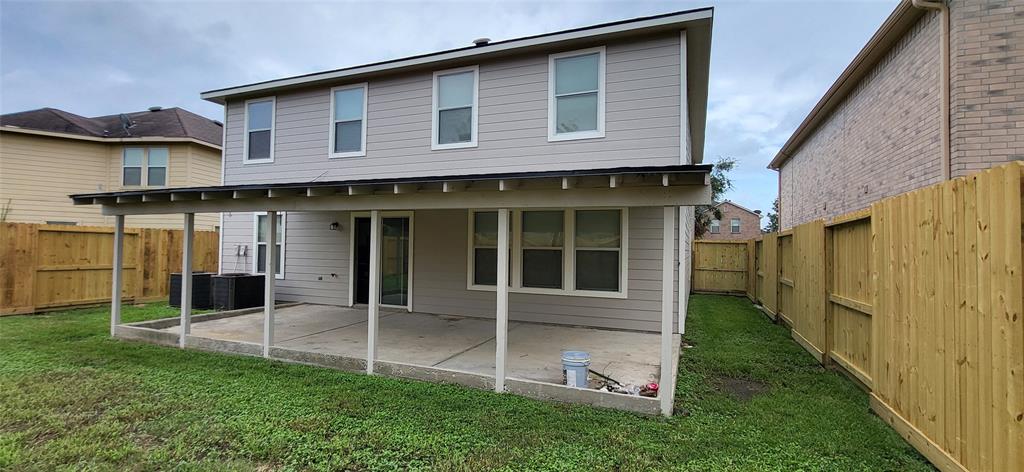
[(652, 387)]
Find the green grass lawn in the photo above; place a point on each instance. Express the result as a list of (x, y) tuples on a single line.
[(73, 398)]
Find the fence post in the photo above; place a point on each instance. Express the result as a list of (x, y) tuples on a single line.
[(826, 357)]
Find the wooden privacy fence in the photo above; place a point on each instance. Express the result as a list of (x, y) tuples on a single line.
[(45, 267), (920, 299), (720, 266)]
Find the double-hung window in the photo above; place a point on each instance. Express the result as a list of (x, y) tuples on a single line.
[(259, 131), (734, 225), (543, 241), (348, 121), (578, 252), (716, 227), (455, 108), (262, 225), (156, 167), (598, 247), (144, 165), (131, 170), (576, 94)]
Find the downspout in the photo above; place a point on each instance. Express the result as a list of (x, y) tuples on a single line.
[(944, 79)]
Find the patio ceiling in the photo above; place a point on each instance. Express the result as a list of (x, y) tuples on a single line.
[(624, 186)]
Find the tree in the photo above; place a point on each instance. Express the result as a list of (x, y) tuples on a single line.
[(773, 218), (720, 183)]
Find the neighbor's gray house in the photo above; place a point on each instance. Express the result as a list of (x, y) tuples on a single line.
[(936, 93), (545, 183)]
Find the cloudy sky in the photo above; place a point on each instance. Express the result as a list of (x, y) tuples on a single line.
[(771, 61)]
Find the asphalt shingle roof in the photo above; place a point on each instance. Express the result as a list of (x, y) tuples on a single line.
[(167, 123)]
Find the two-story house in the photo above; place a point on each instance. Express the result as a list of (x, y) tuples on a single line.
[(737, 223), (540, 182), (46, 154)]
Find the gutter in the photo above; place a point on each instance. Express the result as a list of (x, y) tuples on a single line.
[(944, 79)]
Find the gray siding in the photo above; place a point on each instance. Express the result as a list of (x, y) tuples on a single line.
[(642, 123), (314, 252)]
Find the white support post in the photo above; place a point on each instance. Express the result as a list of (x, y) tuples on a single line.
[(270, 270), (116, 279), (666, 390), (501, 339), (373, 300), (685, 259), (186, 278)]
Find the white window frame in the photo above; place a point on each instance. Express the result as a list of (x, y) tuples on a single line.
[(362, 150), (144, 167), (736, 226), (246, 130), (568, 255), (553, 135), (472, 143), (166, 167), (256, 241), (715, 224)]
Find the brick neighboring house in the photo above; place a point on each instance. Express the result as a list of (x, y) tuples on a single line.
[(878, 131), (737, 223)]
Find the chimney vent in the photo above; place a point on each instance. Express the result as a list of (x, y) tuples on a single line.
[(155, 108), (481, 41)]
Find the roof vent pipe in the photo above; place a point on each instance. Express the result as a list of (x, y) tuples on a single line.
[(481, 41), (155, 108)]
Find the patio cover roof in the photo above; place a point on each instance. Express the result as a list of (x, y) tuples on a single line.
[(675, 185)]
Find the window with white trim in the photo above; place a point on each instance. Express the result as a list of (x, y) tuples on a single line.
[(589, 262), (156, 166), (259, 130), (598, 246), (348, 121), (261, 225), (455, 108), (716, 226), (734, 225), (543, 243), (131, 166), (576, 94), (144, 167)]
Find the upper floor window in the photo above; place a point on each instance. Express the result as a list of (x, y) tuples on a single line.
[(147, 165), (455, 108), (259, 130), (348, 121), (156, 167), (131, 168), (734, 225), (576, 94), (716, 227)]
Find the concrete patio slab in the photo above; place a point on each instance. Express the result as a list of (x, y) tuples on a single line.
[(446, 342)]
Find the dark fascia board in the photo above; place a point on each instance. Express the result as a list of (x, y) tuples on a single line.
[(901, 20), (676, 169), (667, 21)]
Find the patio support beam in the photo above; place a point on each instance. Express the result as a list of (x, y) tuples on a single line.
[(501, 338), (186, 278), (116, 279), (665, 391), (270, 269), (373, 300)]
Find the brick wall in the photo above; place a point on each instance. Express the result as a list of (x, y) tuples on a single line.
[(884, 140), (987, 69), (750, 224)]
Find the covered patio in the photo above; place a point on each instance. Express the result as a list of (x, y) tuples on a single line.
[(487, 350)]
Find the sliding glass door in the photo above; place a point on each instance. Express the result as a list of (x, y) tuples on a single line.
[(394, 261)]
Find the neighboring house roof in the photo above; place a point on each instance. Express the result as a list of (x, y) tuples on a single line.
[(162, 123), (697, 24), (895, 27), (737, 205)]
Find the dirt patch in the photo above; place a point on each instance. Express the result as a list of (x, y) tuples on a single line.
[(740, 389)]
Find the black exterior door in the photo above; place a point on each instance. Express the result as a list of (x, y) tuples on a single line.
[(362, 256)]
